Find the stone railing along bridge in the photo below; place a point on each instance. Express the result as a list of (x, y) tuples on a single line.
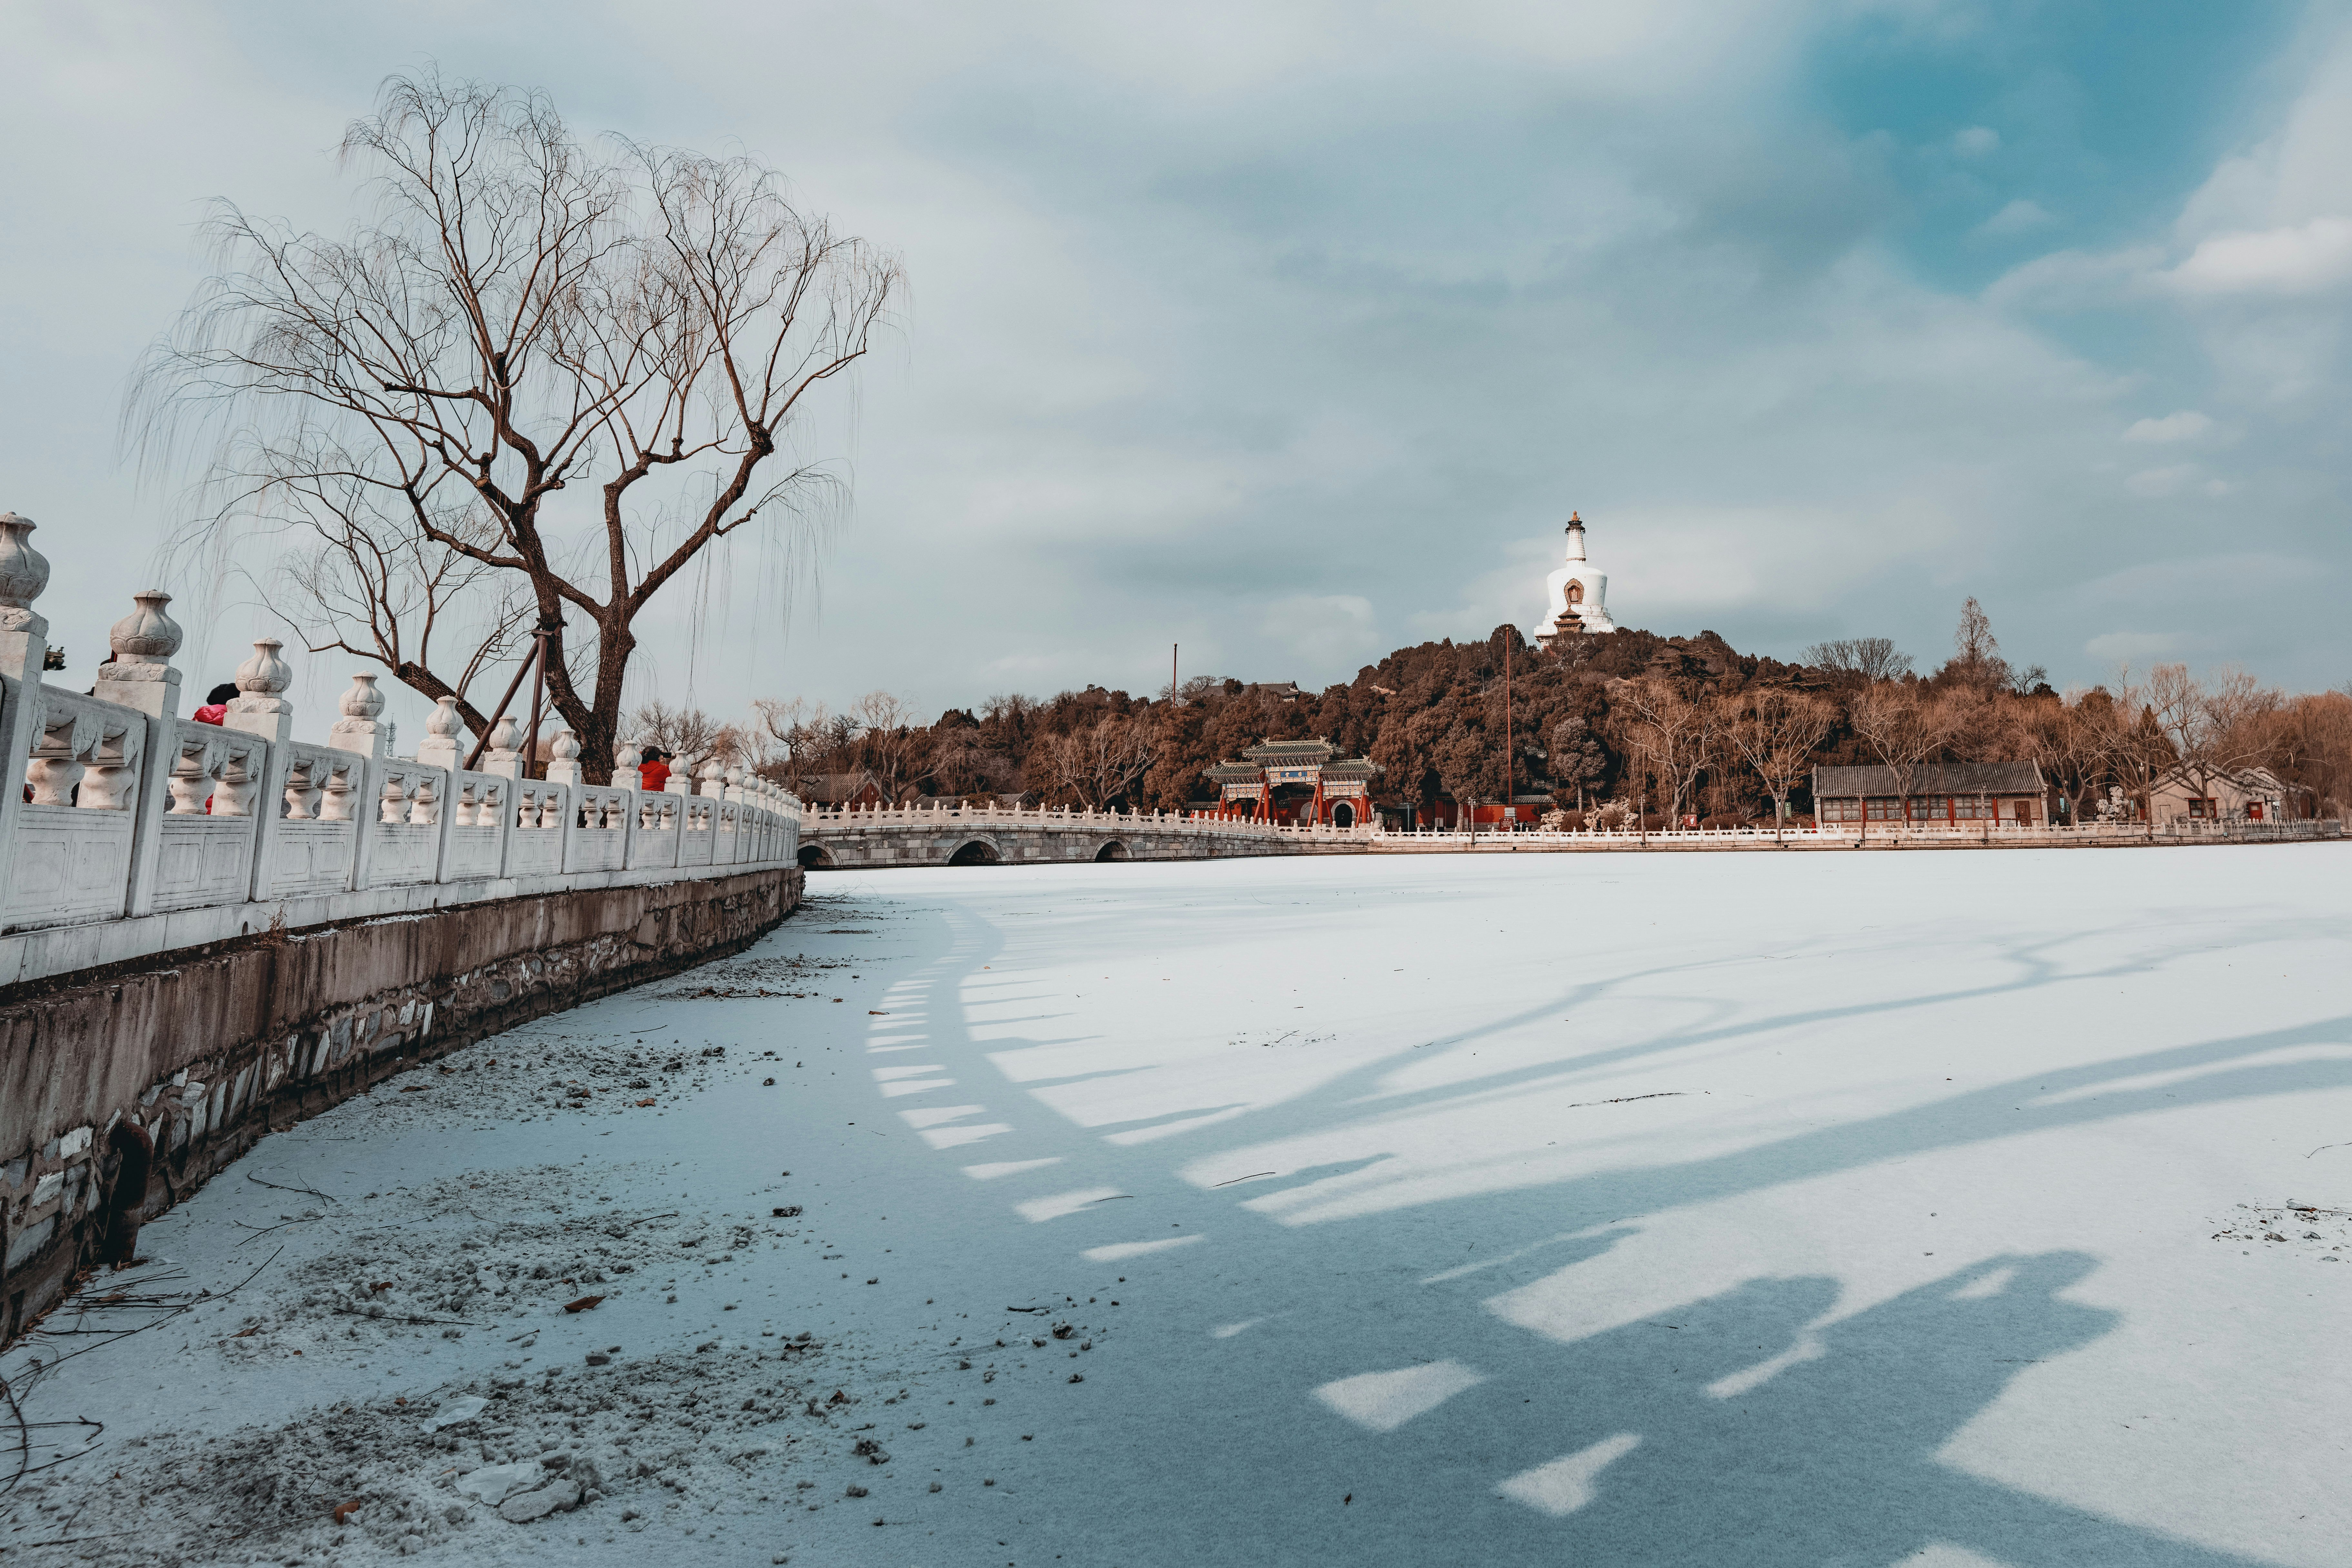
[(209, 929), (992, 835)]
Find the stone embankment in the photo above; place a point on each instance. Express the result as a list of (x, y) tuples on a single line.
[(126, 1093)]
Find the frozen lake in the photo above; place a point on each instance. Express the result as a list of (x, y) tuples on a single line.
[(1614, 1209)]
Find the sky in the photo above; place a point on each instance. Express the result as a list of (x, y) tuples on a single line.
[(1291, 335)]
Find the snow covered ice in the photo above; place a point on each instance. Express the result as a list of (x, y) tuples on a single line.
[(1937, 1208)]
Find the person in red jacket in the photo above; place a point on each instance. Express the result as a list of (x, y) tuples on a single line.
[(653, 774), (216, 701), (216, 712)]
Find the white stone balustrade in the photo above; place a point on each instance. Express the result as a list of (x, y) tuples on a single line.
[(820, 820), (127, 828)]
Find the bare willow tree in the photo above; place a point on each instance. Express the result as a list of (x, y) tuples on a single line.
[(1904, 728), (345, 580), (1775, 731), (1673, 736), (583, 368), (2220, 728)]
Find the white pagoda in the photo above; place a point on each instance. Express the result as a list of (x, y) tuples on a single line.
[(1575, 596)]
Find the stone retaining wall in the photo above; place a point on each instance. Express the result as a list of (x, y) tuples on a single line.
[(122, 1089)]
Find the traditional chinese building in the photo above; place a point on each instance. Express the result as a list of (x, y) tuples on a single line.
[(1297, 781), (1575, 595), (1945, 793)]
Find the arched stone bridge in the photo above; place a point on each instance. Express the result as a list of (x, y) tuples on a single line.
[(988, 836)]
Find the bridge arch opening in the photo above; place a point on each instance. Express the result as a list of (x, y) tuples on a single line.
[(816, 857), (978, 852), (1114, 850)]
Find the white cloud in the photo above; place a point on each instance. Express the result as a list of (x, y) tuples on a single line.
[(2296, 174), (2020, 216), (2155, 484), (2079, 280), (1976, 142), (2299, 259), (2185, 425)]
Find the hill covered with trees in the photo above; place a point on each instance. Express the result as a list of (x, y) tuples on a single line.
[(1668, 725)]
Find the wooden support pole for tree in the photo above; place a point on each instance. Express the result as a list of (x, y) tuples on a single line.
[(530, 662), (538, 704)]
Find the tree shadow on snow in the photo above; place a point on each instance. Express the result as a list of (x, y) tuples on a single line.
[(1742, 1428), (1731, 1430)]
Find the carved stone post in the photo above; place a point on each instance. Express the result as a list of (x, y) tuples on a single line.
[(433, 799), (563, 759), (142, 676), (504, 757), (439, 749), (561, 804), (260, 708), (23, 573), (24, 639), (361, 728), (626, 764)]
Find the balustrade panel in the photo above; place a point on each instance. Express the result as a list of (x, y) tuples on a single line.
[(316, 846), (477, 825), (72, 854), (600, 832), (699, 841), (655, 841), (537, 848), (405, 839), (207, 833)]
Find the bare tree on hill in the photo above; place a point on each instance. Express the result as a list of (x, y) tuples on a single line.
[(1674, 735), (2218, 730), (1976, 658), (887, 732), (524, 321), (1096, 763), (1775, 731), (1575, 757), (1859, 661), (1904, 728), (689, 735)]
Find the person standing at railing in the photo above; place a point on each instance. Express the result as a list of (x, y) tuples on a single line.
[(654, 771), (216, 712), (216, 701)]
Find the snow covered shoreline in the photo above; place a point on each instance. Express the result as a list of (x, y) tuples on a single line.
[(1397, 1211)]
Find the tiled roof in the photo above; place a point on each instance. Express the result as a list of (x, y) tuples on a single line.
[(1930, 778), (1291, 751)]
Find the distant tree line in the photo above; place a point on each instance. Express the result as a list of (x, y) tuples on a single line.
[(1611, 727)]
